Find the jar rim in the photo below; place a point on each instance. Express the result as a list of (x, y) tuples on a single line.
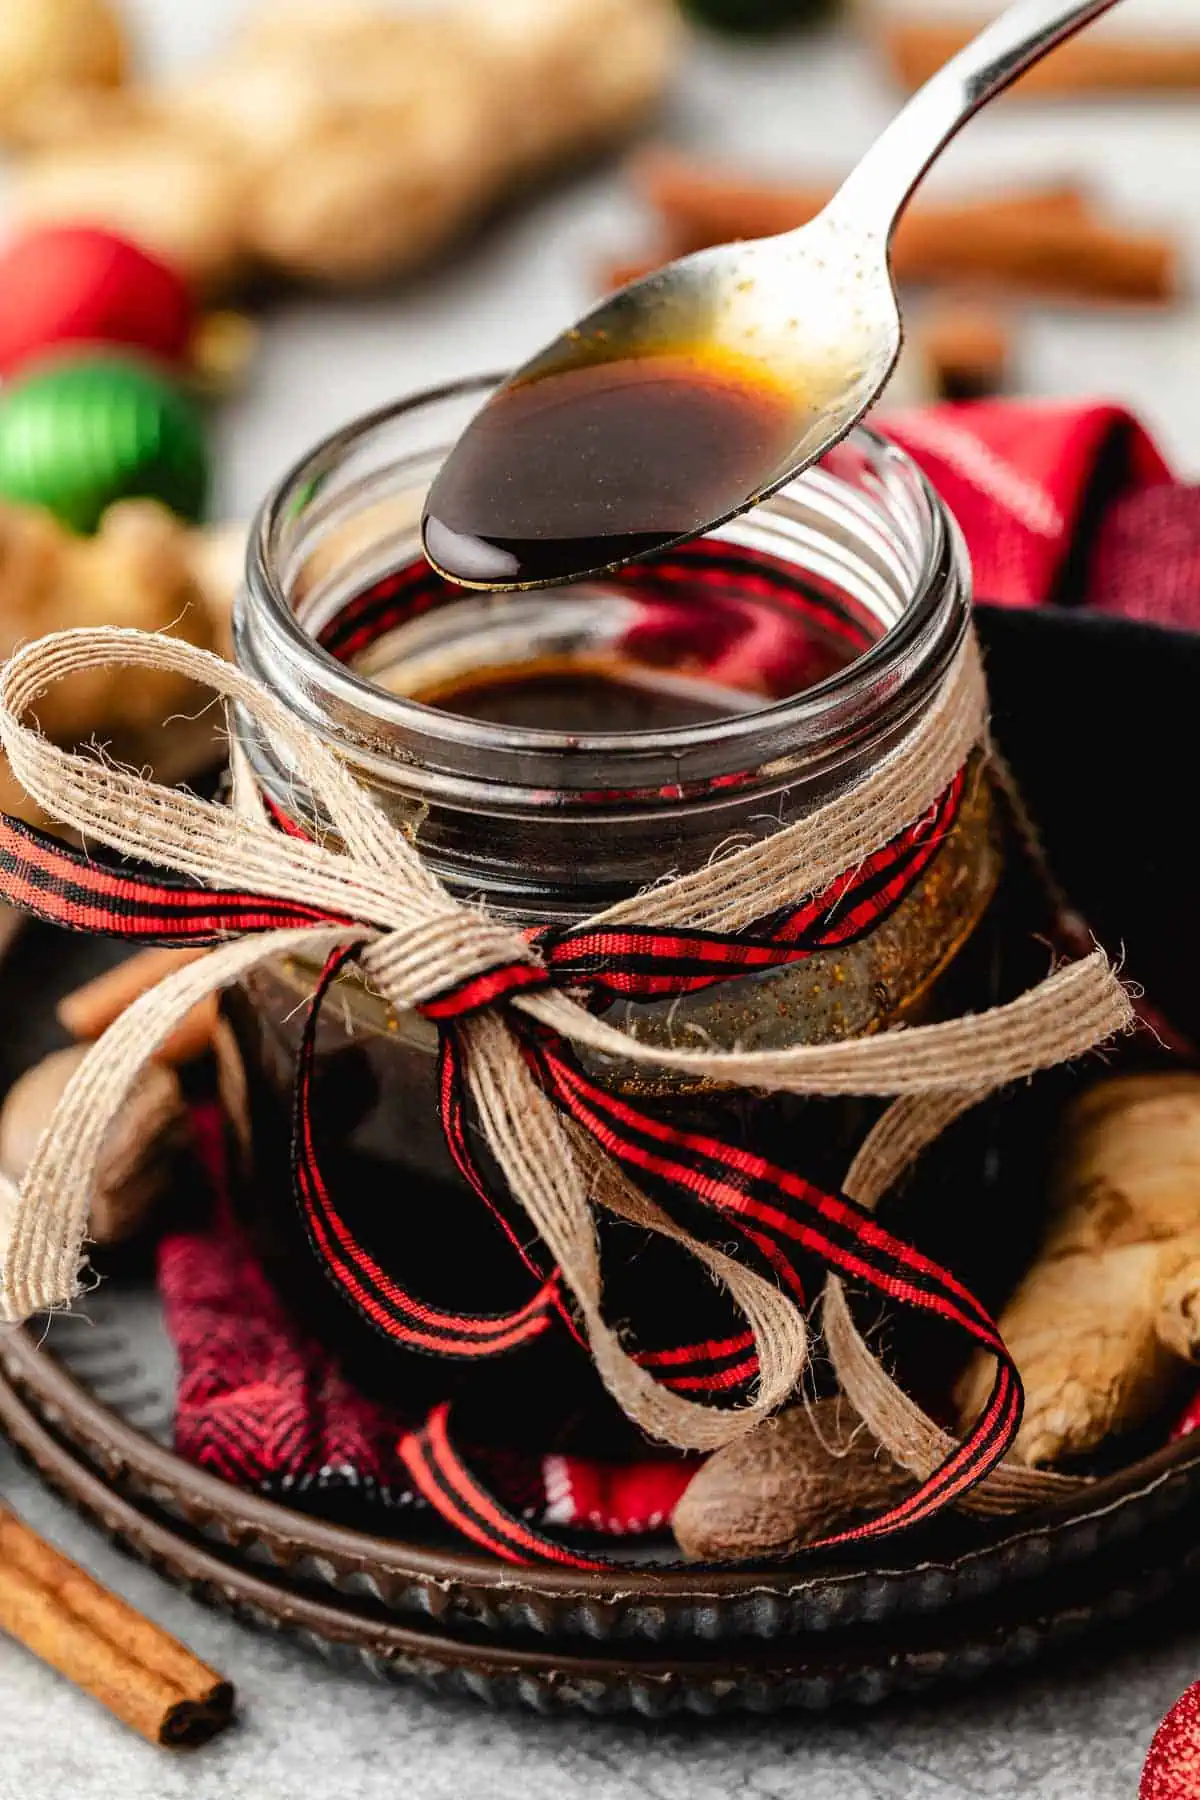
[(317, 682)]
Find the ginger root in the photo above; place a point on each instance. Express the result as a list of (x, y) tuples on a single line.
[(339, 142), (52, 48), (143, 568), (134, 571), (1100, 1323)]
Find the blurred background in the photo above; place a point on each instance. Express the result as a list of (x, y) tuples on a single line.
[(1103, 278)]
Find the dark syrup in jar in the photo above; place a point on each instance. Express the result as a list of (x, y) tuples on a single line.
[(587, 695), (574, 695), (592, 465)]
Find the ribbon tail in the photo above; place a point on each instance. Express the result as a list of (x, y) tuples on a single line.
[(452, 1102), (535, 1150), (965, 1465), (42, 1228), (1078, 1007), (442, 1477), (784, 1209), (776, 1344), (375, 1293), (918, 1444), (767, 1359), (143, 818), (893, 1418)]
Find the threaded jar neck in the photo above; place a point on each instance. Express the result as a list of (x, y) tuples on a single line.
[(552, 822)]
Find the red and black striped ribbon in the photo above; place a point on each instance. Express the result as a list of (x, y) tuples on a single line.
[(776, 1219), (640, 962), (442, 1478), (47, 878), (632, 961), (373, 1290)]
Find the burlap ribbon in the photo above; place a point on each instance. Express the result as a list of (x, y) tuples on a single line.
[(418, 938)]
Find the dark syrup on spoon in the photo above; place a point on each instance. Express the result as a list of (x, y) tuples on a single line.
[(595, 464)]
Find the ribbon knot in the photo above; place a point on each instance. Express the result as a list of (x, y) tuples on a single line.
[(454, 964), (519, 1051)]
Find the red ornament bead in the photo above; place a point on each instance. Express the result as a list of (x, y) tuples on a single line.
[(77, 284), (1172, 1770)]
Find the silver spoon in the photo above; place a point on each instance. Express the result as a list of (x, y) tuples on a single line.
[(689, 395)]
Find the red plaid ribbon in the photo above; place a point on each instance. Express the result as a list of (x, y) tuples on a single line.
[(775, 1217)]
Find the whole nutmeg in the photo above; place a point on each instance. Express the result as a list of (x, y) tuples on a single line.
[(136, 571), (139, 1153), (794, 1478)]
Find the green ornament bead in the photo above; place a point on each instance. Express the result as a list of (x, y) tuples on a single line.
[(79, 433)]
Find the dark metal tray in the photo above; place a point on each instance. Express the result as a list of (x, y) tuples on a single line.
[(103, 1381), (814, 1671)]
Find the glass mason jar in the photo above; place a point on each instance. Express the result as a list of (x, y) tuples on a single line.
[(606, 735)]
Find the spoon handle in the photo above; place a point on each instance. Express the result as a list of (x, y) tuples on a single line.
[(883, 182)]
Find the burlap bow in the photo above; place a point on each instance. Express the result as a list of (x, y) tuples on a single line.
[(417, 938)]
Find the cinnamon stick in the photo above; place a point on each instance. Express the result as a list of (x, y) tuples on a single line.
[(968, 346), (97, 1640), (701, 205), (915, 49), (1044, 241), (619, 274), (90, 1010), (1086, 260)]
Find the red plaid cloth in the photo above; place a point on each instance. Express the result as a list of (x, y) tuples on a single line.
[(1048, 497), (1059, 504)]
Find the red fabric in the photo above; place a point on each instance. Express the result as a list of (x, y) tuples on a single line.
[(248, 1376), (1146, 562), (1021, 480), (1058, 503)]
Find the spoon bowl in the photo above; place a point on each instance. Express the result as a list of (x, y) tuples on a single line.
[(702, 388), (675, 404)]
